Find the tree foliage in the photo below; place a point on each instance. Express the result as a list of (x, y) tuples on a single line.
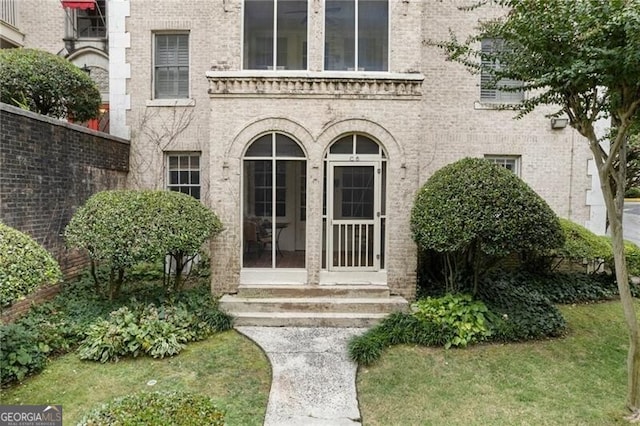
[(122, 228), (47, 84), (581, 56), (24, 265), (476, 212)]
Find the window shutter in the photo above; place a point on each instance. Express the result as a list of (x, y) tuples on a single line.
[(495, 94)]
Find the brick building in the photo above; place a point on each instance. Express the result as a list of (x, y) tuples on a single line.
[(308, 126)]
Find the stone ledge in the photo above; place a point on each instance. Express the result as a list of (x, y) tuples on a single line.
[(307, 84)]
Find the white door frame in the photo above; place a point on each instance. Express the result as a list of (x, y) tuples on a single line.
[(353, 228)]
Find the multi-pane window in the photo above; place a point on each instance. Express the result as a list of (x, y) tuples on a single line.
[(263, 177), (497, 91), (356, 35), (92, 22), (275, 34), (509, 162), (183, 173), (171, 66), (357, 192)]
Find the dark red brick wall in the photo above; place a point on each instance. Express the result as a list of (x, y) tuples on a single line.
[(48, 168)]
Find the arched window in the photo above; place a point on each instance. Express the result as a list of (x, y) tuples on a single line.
[(274, 203)]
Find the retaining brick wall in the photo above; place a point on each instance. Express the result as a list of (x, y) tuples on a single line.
[(48, 168)]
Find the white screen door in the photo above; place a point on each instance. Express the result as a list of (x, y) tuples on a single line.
[(353, 232)]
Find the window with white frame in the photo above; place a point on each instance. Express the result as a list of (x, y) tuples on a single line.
[(275, 34), (500, 91), (183, 173), (356, 35), (509, 162), (171, 66)]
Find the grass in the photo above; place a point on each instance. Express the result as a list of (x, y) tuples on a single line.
[(229, 368), (577, 380)]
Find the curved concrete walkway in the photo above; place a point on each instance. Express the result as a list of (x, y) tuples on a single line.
[(314, 382)]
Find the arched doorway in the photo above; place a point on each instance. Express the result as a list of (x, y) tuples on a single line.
[(354, 205), (274, 203)]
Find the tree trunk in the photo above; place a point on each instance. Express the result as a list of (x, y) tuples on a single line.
[(615, 205)]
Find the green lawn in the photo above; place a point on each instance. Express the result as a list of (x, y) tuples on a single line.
[(576, 380), (227, 367)]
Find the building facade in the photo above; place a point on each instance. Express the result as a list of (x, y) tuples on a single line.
[(309, 125)]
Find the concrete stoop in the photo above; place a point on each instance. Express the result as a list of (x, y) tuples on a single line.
[(311, 306)]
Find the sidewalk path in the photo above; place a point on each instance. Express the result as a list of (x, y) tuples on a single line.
[(313, 379)]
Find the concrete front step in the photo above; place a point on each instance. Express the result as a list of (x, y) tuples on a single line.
[(307, 319), (289, 290), (235, 304)]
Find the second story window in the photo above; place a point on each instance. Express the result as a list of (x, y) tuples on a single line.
[(500, 91), (356, 35), (91, 22), (171, 66), (275, 34)]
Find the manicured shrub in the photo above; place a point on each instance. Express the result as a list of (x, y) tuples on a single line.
[(475, 212), (464, 317), (581, 245), (47, 84), (124, 228), (631, 255), (520, 313), (632, 192), (157, 408), (24, 265)]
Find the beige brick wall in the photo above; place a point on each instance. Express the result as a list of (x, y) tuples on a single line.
[(420, 136), (43, 24)]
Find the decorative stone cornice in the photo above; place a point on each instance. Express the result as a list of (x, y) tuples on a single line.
[(330, 84)]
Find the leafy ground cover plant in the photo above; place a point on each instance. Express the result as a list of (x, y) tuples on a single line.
[(60, 325), (24, 265), (464, 317), (155, 408)]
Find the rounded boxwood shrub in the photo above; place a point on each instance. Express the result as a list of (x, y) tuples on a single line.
[(24, 265), (47, 84), (157, 408), (581, 245), (475, 212), (123, 228)]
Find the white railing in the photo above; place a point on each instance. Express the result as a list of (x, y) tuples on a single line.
[(353, 244)]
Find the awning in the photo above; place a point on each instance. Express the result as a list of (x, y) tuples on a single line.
[(79, 4)]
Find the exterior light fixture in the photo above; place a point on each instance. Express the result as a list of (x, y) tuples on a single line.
[(86, 69), (559, 123)]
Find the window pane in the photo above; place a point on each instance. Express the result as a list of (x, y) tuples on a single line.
[(287, 147), (258, 34), (339, 42), (343, 146), (373, 31), (292, 34), (364, 145), (171, 66), (184, 174), (262, 147)]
